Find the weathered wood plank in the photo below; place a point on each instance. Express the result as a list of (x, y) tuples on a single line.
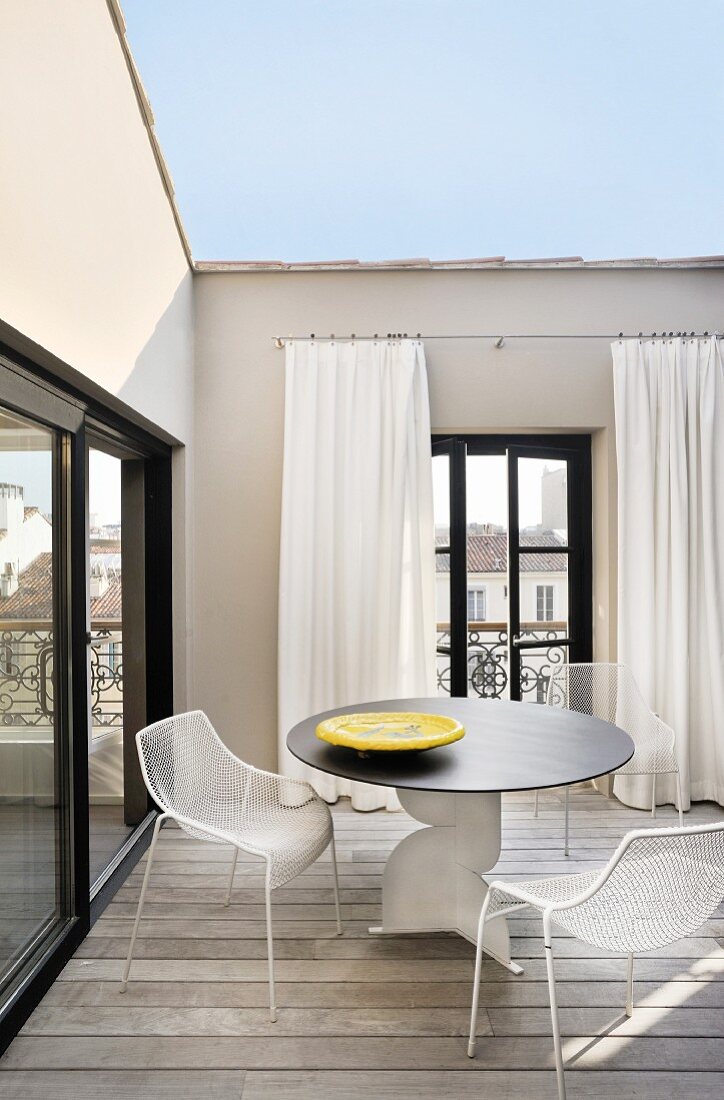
[(232, 928), (388, 970), (440, 947), (98, 948), (361, 995), (163, 893), (214, 910), (493, 1085), (214, 1052), (676, 1022), (127, 1084), (244, 1021), (520, 948)]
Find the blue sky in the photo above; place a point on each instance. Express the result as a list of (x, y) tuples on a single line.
[(377, 129)]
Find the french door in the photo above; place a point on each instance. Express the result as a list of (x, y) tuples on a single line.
[(513, 556)]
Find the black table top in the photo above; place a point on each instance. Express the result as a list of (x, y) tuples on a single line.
[(507, 747)]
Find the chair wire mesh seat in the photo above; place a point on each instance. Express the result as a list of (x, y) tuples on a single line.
[(214, 796), (659, 886), (610, 692)]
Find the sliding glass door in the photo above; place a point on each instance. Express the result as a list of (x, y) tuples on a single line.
[(513, 535), (85, 662), (36, 854)]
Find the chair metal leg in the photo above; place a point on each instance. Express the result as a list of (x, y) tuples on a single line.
[(270, 952), (336, 886), (227, 900), (681, 801), (653, 795), (565, 847), (476, 980), (156, 830), (629, 985), (554, 1007), (535, 805)]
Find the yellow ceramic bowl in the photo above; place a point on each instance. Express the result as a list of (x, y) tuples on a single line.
[(391, 732)]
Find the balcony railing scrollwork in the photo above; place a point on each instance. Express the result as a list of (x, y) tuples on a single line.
[(106, 679), (26, 675), (488, 669)]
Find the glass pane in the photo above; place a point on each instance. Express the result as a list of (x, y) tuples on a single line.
[(487, 495), (543, 499), (32, 853), (441, 504), (107, 827), (487, 530), (543, 594), (543, 617)]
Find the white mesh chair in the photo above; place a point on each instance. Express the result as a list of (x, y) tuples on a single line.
[(610, 692), (660, 885), (214, 796)]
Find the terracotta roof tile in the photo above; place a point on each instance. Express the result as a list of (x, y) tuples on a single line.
[(34, 597), (105, 546), (109, 605), (489, 554)]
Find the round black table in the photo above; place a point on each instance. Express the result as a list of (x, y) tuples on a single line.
[(433, 880)]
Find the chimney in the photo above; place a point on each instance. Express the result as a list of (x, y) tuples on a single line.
[(11, 507), (8, 581), (98, 580)]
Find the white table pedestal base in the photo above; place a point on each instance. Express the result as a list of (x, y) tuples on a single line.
[(432, 880)]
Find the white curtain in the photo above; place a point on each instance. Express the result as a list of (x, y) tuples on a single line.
[(669, 397), (357, 570)]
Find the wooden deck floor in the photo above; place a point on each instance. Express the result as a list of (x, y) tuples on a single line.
[(365, 1017)]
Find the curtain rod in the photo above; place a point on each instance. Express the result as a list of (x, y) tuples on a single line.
[(280, 341)]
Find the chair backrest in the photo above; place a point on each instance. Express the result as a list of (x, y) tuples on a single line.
[(190, 772), (610, 692), (660, 885)]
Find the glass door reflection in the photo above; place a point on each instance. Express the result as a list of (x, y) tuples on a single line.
[(34, 829)]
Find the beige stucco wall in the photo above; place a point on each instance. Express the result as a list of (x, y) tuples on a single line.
[(525, 386), (92, 267)]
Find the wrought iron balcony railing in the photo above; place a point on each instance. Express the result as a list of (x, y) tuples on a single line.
[(26, 668), (488, 659), (26, 675)]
